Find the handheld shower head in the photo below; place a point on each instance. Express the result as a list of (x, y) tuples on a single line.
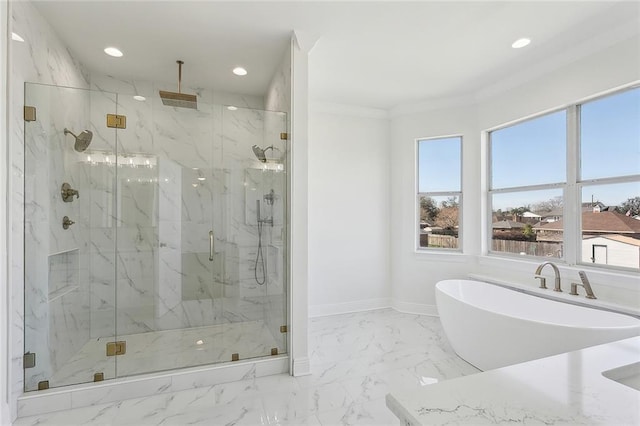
[(82, 140)]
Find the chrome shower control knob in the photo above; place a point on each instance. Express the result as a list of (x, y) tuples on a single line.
[(66, 222)]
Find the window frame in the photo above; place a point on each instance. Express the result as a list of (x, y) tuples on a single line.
[(523, 188), (458, 194), (571, 188)]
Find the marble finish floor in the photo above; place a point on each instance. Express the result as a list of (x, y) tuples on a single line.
[(166, 350), (356, 359)]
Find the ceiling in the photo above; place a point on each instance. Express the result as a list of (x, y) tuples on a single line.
[(369, 54)]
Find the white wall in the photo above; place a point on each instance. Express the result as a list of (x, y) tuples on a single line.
[(414, 274), (349, 205)]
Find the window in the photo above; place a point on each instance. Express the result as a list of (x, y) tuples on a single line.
[(609, 180), (528, 174), (439, 200), (569, 181)]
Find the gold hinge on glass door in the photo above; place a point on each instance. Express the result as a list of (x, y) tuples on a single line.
[(283, 329), (117, 348), (29, 360), (117, 121), (29, 113), (284, 136)]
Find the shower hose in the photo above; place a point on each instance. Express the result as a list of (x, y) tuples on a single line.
[(260, 263)]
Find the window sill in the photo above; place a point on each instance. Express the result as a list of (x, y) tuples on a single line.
[(612, 278), (561, 297), (434, 255)]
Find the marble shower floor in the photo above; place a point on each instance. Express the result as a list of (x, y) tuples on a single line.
[(166, 350), (356, 359)]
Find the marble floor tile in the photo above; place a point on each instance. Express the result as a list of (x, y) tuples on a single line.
[(167, 349), (356, 359)]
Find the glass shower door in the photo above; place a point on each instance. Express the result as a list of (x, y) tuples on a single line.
[(69, 236), (168, 301)]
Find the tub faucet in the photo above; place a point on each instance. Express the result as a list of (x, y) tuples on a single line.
[(585, 284), (543, 280)]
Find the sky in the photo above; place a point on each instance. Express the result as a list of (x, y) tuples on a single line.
[(534, 152)]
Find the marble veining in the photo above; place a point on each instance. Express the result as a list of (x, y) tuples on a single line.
[(354, 359), (185, 347), (565, 389)]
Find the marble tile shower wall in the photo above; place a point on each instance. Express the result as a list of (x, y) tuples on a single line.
[(41, 58), (200, 161)]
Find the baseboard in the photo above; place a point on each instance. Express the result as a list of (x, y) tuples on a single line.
[(301, 366), (415, 308), (348, 307)]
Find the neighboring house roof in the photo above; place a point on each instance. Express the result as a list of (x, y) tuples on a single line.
[(601, 222), (588, 206), (529, 214), (508, 224), (557, 212), (619, 238)]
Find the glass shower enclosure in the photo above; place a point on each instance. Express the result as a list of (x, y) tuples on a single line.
[(155, 236)]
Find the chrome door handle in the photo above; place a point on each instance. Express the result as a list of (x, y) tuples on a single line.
[(211, 246)]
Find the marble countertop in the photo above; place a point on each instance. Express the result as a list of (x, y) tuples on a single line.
[(565, 389)]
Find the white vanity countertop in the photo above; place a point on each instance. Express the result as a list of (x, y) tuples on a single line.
[(566, 389)]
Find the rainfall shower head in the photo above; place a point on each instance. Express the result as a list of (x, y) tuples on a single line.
[(179, 99), (260, 152), (82, 140)]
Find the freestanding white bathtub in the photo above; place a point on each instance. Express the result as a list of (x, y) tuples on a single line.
[(491, 326)]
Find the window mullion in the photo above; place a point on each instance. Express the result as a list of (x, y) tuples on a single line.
[(572, 199)]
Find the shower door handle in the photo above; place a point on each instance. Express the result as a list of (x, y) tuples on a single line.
[(211, 246)]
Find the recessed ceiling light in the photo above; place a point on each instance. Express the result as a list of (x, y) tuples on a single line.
[(139, 98), (16, 37), (201, 178), (239, 71), (232, 108), (113, 51), (521, 42)]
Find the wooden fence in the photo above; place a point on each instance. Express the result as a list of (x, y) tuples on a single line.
[(531, 248), (438, 241)]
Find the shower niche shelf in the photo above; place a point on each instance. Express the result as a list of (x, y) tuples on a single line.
[(57, 294)]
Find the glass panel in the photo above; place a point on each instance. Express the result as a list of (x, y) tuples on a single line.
[(610, 225), (610, 136), (439, 162), (69, 271), (254, 230), (169, 303), (528, 223), (180, 246), (439, 221), (530, 153)]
